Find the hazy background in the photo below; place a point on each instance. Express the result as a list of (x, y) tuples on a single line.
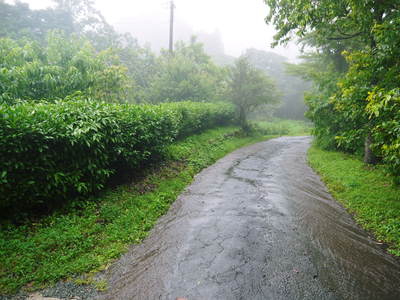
[(226, 28), (230, 26)]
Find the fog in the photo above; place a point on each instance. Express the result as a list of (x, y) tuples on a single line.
[(238, 24)]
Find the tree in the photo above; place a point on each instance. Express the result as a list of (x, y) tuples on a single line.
[(141, 64), (331, 25), (358, 41), (274, 65), (188, 74), (18, 21), (319, 69), (249, 89), (62, 67)]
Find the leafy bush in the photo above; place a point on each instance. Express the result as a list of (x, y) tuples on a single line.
[(188, 75), (196, 117), (384, 106), (53, 151), (60, 68), (356, 71)]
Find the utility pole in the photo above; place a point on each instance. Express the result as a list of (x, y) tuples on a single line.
[(171, 28)]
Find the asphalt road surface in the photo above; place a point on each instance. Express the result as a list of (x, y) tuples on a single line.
[(259, 224)]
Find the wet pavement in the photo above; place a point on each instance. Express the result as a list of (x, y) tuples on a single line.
[(259, 224)]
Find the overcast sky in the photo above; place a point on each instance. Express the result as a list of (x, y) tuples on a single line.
[(240, 22)]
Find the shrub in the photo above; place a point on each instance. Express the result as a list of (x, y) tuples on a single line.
[(384, 107), (53, 151), (60, 68), (197, 117)]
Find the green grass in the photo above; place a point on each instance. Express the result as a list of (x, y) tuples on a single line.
[(285, 127), (367, 192), (88, 235)]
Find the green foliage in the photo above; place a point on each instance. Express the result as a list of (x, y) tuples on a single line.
[(88, 235), (359, 43), (349, 104), (384, 107), (87, 19), (61, 68), (187, 74), (366, 192), (19, 21), (284, 127), (96, 61), (77, 17), (249, 89), (333, 108), (52, 151), (196, 117), (321, 110), (142, 66), (274, 65), (330, 23)]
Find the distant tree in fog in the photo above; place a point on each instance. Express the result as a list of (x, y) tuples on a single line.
[(250, 89), (292, 88)]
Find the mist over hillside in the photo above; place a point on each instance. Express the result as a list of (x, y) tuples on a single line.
[(154, 33)]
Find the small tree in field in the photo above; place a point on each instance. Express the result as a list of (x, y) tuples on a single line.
[(250, 89)]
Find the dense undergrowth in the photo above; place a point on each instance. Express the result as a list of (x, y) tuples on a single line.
[(366, 191), (85, 236)]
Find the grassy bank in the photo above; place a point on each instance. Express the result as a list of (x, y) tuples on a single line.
[(85, 236), (367, 192)]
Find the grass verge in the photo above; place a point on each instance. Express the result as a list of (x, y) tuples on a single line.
[(86, 236), (285, 127), (367, 192)]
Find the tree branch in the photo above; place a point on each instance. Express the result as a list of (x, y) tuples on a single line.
[(347, 37)]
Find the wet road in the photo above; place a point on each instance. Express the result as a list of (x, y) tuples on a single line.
[(258, 224)]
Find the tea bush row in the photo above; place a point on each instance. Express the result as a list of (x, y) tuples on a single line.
[(50, 152)]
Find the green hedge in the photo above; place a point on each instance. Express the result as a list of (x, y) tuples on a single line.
[(54, 151), (195, 117)]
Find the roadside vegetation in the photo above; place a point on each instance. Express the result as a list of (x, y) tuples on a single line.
[(85, 236), (355, 70), (367, 192), (52, 152), (354, 103), (285, 127), (100, 135)]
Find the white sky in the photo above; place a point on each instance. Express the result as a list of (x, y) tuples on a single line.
[(240, 22)]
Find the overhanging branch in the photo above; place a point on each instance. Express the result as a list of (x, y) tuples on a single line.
[(347, 37)]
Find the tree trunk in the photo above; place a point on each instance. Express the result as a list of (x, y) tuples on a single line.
[(340, 62), (243, 119), (369, 156)]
